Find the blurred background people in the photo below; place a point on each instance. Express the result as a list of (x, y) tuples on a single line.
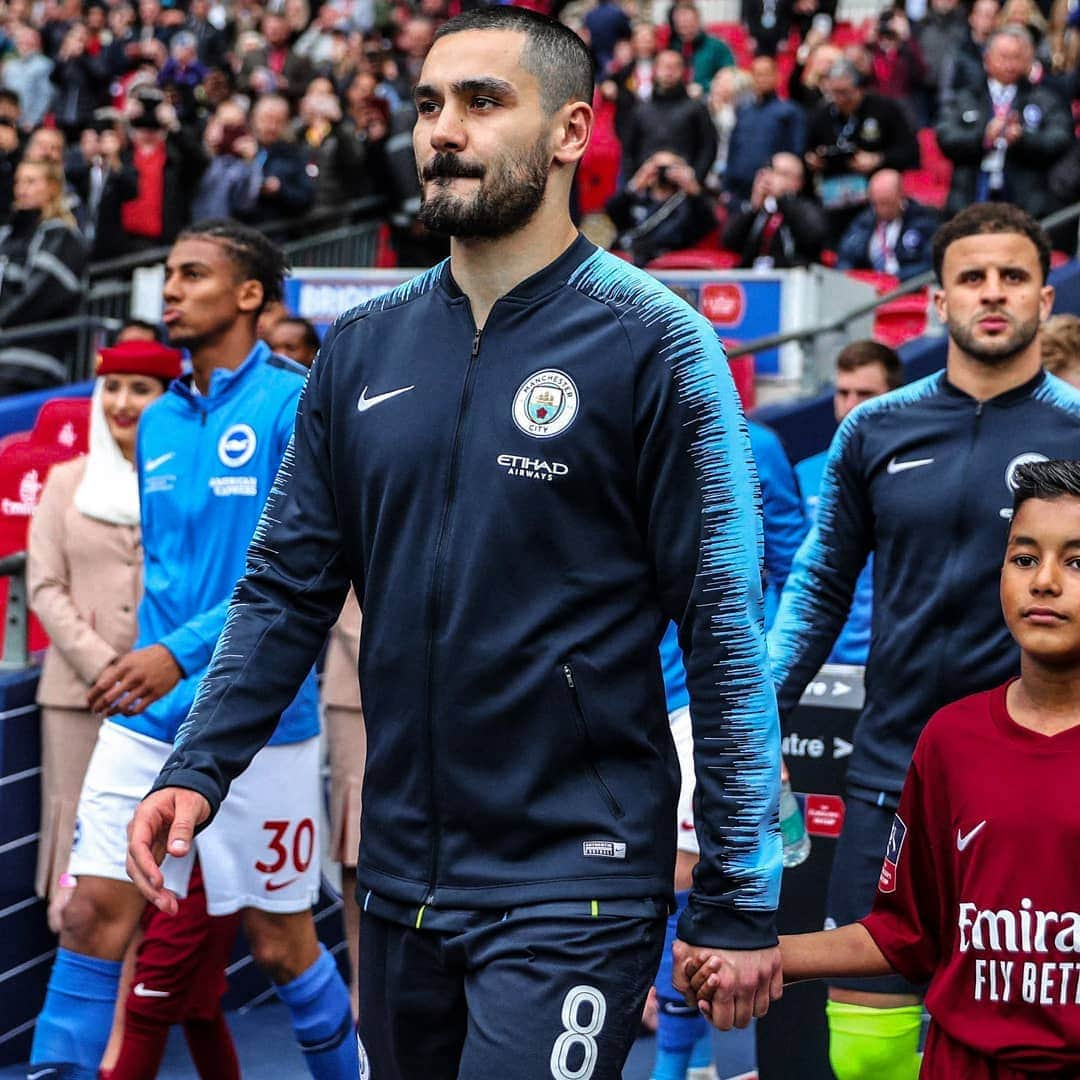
[(892, 235), (662, 208), (777, 227), (42, 259), (84, 577)]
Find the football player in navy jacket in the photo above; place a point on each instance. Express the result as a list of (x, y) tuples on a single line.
[(526, 461)]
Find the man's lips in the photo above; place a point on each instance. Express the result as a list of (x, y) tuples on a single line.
[(994, 322), (1044, 616), (170, 315)]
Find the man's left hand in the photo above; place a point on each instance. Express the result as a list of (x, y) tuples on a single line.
[(134, 681), (736, 985)]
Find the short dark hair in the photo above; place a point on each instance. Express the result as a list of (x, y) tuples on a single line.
[(10, 96), (991, 217), (311, 335), (142, 324), (859, 354), (558, 59), (256, 257), (1045, 480)]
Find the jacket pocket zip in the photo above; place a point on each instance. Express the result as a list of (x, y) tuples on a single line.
[(579, 713)]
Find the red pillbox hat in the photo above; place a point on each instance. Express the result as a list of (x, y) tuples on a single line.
[(140, 358)]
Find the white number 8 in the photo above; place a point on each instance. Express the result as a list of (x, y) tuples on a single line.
[(578, 1034)]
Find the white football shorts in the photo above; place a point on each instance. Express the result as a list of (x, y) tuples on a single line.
[(262, 849), (683, 736)]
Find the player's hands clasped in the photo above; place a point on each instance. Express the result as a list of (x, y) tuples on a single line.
[(729, 986), (164, 823), (133, 681)]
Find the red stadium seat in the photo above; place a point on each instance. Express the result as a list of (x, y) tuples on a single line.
[(847, 33), (598, 173), (902, 319), (882, 282), (931, 159), (695, 259), (924, 187), (23, 469), (385, 255), (1058, 258), (64, 422), (737, 38)]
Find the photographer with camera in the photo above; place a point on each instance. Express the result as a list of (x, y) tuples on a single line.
[(11, 149), (662, 208), (81, 81), (778, 227), (101, 172), (230, 185), (851, 135), (169, 163)]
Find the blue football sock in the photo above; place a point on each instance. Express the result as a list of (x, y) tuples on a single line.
[(680, 1027), (322, 1020), (74, 1024), (701, 1055)]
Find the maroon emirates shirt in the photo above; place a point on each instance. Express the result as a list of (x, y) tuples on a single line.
[(980, 893)]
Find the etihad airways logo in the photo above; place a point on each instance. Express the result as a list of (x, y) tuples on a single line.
[(531, 468)]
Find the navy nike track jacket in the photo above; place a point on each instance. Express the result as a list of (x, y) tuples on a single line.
[(521, 510), (922, 478)]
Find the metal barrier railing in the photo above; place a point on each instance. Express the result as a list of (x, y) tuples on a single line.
[(819, 366), (287, 230), (16, 655), (108, 299)]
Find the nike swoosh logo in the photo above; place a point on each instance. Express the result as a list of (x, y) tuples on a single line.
[(154, 463), (963, 841), (273, 886), (141, 990), (366, 402), (895, 466), (41, 1072)]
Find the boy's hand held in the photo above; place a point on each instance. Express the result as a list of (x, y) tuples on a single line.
[(730, 986)]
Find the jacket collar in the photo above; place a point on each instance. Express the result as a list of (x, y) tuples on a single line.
[(544, 281), (223, 381), (1001, 401)]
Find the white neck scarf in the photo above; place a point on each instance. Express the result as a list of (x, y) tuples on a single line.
[(109, 490)]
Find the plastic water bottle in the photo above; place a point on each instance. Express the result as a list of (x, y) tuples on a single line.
[(792, 828)]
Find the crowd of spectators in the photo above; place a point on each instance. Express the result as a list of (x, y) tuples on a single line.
[(156, 113), (817, 137)]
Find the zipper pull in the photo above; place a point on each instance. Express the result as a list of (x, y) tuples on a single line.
[(476, 342), (568, 674), (978, 408)]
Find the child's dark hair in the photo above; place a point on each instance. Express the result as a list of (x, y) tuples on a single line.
[(1045, 480), (311, 335), (256, 257)]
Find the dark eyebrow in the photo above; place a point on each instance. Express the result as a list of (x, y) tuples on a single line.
[(1027, 541), (191, 265), (479, 84)]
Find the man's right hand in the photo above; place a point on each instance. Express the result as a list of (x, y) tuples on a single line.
[(164, 823)]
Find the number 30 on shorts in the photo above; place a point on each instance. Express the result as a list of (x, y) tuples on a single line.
[(287, 843), (573, 1057)]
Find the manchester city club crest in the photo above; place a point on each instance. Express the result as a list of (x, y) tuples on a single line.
[(546, 404)]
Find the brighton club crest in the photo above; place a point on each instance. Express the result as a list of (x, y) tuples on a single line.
[(546, 404)]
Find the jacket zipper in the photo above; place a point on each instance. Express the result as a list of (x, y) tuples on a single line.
[(437, 579), (954, 547), (579, 714)]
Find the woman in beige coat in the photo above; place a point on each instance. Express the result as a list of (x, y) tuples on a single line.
[(84, 573), (347, 746)]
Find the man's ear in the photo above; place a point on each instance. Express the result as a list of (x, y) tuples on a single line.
[(575, 124), (249, 295), (940, 306)]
